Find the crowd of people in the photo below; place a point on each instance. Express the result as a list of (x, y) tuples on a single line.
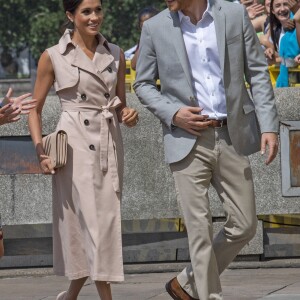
[(209, 122), (277, 24)]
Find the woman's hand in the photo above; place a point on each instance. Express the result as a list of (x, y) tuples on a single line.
[(255, 10), (128, 116), (21, 102), (9, 114), (293, 5), (270, 53), (46, 165), (288, 24)]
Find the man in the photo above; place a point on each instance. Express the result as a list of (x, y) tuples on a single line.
[(201, 52)]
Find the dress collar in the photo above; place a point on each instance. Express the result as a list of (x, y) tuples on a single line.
[(66, 41)]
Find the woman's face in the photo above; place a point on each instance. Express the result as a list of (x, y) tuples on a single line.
[(281, 10), (88, 17)]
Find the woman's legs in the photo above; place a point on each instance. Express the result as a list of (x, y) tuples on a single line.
[(104, 290), (74, 288)]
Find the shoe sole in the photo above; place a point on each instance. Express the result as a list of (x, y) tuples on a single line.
[(170, 292)]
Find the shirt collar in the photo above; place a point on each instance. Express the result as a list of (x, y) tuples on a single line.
[(183, 17), (66, 41)]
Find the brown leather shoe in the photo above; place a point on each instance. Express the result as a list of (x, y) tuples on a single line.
[(176, 291)]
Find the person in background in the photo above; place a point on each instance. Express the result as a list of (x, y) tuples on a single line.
[(254, 9), (201, 50), (11, 110), (261, 25), (88, 74), (144, 15), (285, 32)]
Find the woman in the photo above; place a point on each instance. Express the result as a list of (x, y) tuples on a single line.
[(88, 74), (10, 111), (284, 35), (281, 23)]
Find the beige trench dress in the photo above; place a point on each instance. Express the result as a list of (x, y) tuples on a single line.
[(87, 191)]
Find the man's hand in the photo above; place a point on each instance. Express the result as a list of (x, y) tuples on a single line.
[(269, 139), (189, 119)]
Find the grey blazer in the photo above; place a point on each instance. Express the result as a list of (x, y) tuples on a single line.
[(163, 55)]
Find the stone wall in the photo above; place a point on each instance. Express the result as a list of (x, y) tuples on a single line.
[(149, 192)]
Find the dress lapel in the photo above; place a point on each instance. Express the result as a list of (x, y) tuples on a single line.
[(82, 61), (103, 58)]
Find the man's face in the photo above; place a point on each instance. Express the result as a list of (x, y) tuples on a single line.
[(175, 5)]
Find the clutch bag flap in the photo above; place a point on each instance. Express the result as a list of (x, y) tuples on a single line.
[(55, 146)]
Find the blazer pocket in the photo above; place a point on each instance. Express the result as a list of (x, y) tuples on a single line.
[(234, 39), (248, 108)]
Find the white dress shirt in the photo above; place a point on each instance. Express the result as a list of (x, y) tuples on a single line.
[(201, 46)]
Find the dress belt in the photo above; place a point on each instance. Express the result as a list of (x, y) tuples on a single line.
[(218, 123), (106, 115)]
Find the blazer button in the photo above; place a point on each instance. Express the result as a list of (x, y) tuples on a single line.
[(83, 97), (109, 69), (86, 122), (92, 147), (106, 95)]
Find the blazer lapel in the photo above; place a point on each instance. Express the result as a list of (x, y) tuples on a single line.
[(220, 23), (176, 36)]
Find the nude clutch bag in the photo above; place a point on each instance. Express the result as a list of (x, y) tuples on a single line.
[(55, 146)]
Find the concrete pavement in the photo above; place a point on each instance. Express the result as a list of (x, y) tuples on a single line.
[(238, 284)]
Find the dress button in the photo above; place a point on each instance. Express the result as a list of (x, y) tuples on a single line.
[(83, 97), (92, 147), (106, 95), (86, 122), (109, 69)]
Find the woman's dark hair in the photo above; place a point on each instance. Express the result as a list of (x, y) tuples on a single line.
[(71, 6), (151, 11), (275, 27)]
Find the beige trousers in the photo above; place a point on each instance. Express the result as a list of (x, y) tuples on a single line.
[(214, 161)]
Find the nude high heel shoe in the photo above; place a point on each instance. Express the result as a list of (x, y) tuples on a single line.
[(61, 296)]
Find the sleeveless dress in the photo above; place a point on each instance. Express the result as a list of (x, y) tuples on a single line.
[(87, 191)]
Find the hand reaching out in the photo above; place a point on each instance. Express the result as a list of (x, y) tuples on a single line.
[(255, 10), (293, 5), (21, 102), (9, 114)]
